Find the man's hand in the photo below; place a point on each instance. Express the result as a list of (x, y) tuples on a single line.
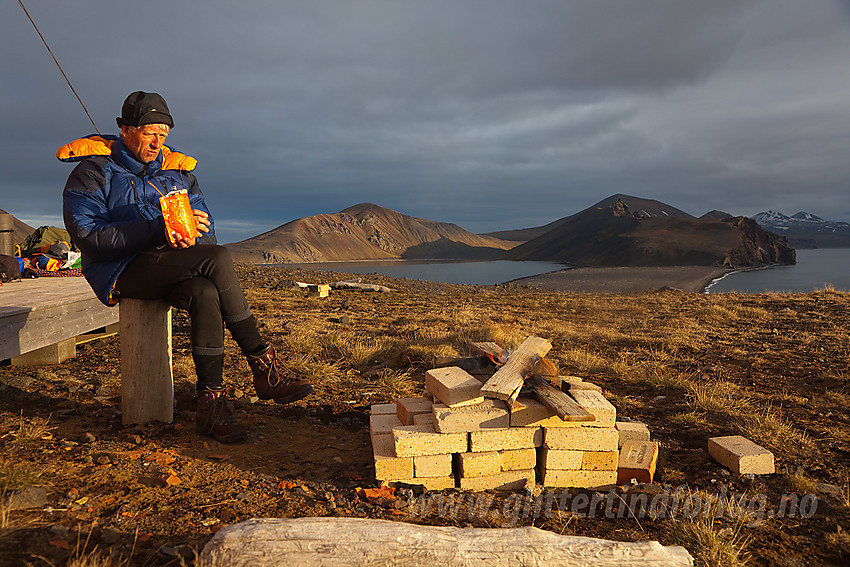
[(202, 222)]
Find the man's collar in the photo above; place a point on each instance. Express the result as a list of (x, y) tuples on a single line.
[(127, 159)]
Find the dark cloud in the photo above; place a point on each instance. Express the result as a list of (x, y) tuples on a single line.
[(489, 113)]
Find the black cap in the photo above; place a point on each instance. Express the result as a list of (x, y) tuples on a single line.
[(142, 108)]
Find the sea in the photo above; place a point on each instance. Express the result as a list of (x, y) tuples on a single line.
[(822, 268), (814, 270)]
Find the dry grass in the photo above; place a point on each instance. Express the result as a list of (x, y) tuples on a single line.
[(717, 396), (15, 476), (839, 540), (800, 484), (766, 427), (30, 430), (709, 544)]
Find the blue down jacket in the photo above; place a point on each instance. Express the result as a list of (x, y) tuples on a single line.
[(111, 210)]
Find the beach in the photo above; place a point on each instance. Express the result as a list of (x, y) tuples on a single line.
[(626, 279)]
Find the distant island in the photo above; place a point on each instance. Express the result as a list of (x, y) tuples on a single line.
[(805, 230), (618, 231)]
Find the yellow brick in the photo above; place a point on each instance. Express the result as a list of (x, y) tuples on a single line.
[(578, 478), (453, 386), (518, 459), (501, 439), (558, 459), (510, 480), (599, 460), (383, 409), (415, 440), (432, 465), (473, 465), (407, 408), (581, 438), (387, 465), (435, 483)]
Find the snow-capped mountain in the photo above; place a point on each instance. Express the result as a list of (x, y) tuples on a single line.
[(805, 230)]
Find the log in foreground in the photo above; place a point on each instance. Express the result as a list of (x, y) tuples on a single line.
[(347, 542)]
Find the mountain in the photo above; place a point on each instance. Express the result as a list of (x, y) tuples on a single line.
[(646, 208), (366, 232), (21, 229), (629, 231), (805, 230)]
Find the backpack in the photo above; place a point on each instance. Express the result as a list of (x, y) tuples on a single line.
[(10, 268), (41, 236)]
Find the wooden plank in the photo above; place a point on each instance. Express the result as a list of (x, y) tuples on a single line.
[(41, 312), (507, 381), (564, 406), (491, 350), (358, 542), (147, 385)]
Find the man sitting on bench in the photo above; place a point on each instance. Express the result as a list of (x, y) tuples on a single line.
[(111, 206)]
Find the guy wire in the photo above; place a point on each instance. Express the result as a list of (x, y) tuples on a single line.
[(59, 66)]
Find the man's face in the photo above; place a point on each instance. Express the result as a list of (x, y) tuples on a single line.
[(146, 141)]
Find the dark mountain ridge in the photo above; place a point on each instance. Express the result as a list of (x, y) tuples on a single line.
[(629, 231)]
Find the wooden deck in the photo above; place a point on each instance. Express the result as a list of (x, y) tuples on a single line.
[(44, 311)]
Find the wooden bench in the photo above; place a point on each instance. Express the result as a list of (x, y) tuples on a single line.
[(47, 314)]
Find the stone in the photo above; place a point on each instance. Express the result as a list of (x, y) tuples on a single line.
[(30, 497)]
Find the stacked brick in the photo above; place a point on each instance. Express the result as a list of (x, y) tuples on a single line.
[(453, 437)]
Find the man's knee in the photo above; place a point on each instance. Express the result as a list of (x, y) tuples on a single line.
[(194, 294)]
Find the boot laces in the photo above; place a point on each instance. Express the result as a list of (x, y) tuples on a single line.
[(219, 412)]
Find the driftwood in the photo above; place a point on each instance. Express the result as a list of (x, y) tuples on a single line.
[(355, 284), (506, 383), (563, 405), (352, 542)]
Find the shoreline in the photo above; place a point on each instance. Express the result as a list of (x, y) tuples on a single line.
[(696, 279)]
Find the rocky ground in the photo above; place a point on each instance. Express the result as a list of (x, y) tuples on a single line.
[(79, 486)]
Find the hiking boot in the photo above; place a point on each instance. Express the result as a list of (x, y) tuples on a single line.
[(271, 380), (215, 418)]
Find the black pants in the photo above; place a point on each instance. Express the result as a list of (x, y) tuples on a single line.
[(202, 281)]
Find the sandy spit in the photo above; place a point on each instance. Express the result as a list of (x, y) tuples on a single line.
[(626, 279)]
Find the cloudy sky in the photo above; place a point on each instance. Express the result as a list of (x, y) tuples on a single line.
[(491, 114)]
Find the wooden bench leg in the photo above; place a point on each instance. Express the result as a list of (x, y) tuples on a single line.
[(147, 383)]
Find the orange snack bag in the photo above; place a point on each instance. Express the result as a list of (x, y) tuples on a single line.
[(177, 213)]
